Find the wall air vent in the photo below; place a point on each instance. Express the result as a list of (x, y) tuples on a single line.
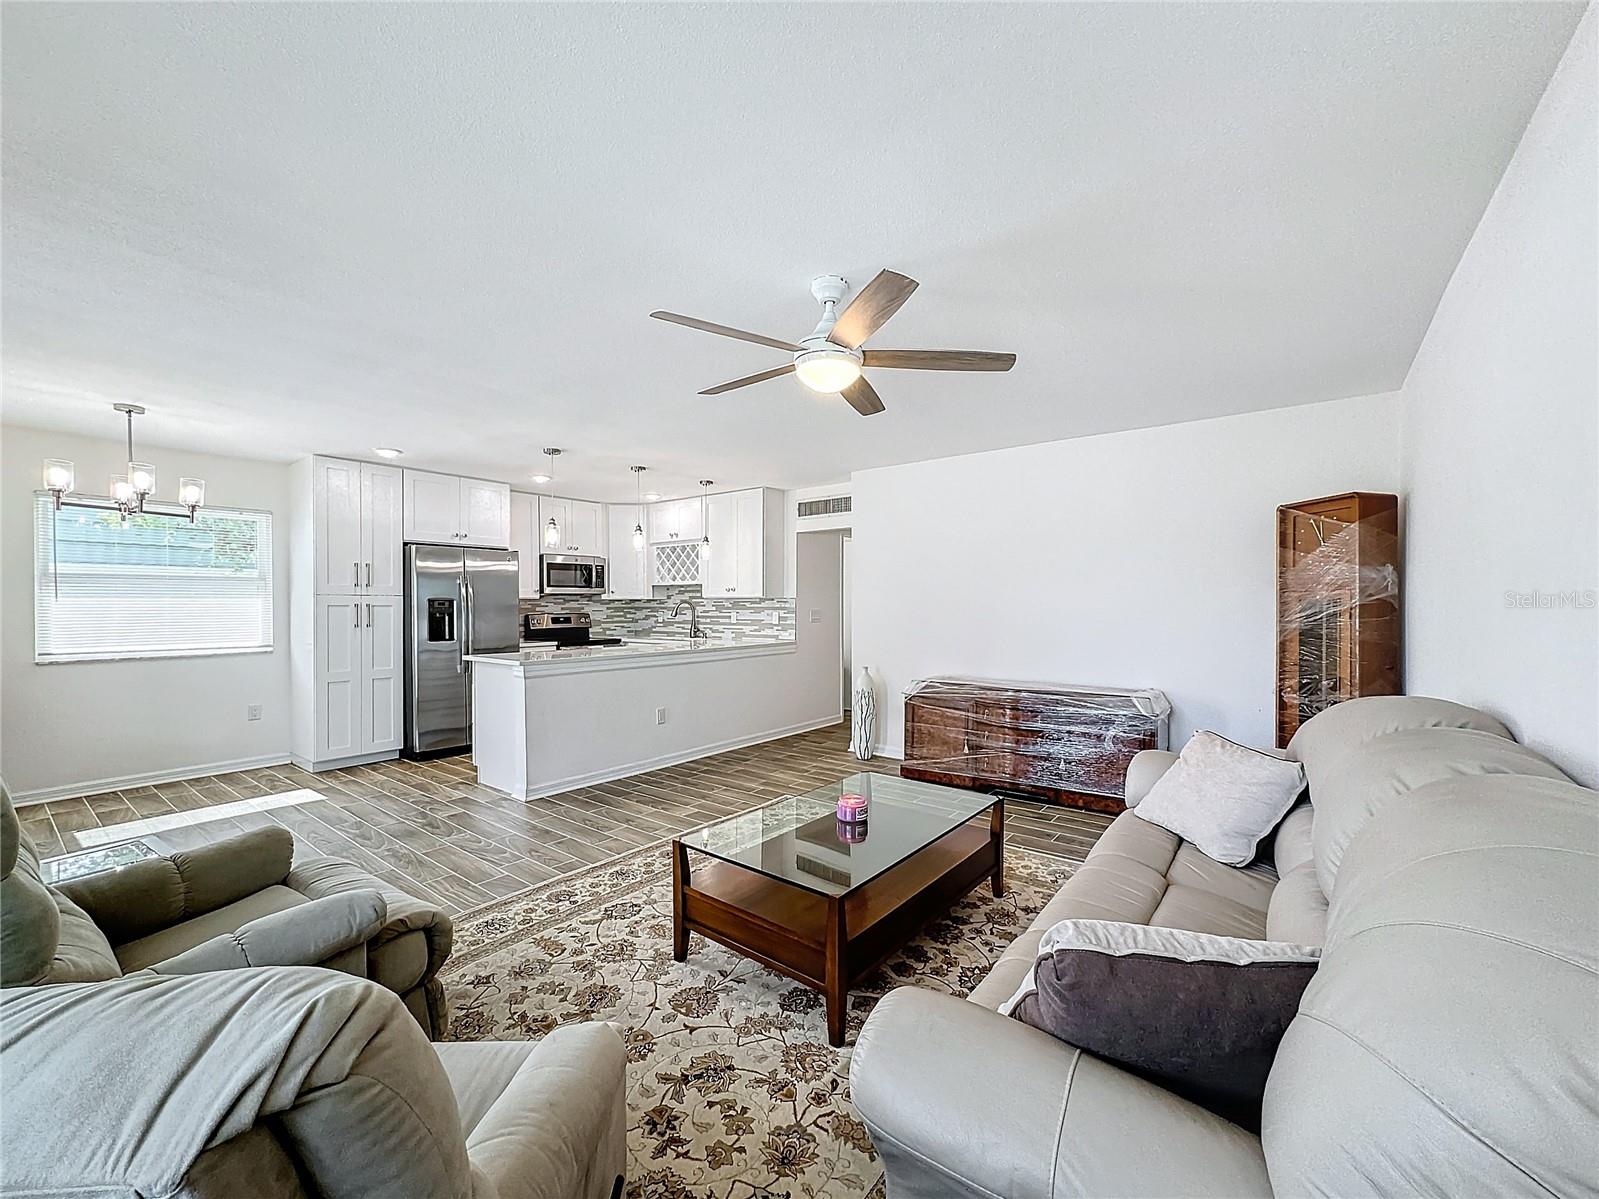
[(828, 507)]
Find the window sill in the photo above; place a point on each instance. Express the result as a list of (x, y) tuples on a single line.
[(72, 659)]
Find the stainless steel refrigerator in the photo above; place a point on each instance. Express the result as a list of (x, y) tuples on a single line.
[(457, 602)]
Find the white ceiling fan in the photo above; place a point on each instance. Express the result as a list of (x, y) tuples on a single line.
[(830, 359)]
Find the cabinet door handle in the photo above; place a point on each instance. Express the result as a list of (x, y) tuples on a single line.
[(355, 574), (369, 616), (355, 613), (369, 574)]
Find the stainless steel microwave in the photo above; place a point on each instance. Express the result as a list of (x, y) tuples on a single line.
[(571, 574)]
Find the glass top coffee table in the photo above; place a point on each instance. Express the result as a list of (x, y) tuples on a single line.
[(796, 889)]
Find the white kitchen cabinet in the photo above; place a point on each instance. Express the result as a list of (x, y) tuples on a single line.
[(382, 530), (382, 678), (676, 520), (337, 700), (525, 541), (447, 509), (359, 698), (580, 524), (432, 507), (627, 569), (355, 528), (336, 525), (746, 529), (485, 513), (587, 534)]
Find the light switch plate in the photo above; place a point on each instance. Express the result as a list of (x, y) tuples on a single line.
[(253, 712), (816, 616)]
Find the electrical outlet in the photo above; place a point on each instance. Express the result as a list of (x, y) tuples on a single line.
[(253, 712), (660, 715), (816, 616)]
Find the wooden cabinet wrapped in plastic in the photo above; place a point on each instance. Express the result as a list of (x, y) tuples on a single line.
[(1338, 617), (1063, 743)]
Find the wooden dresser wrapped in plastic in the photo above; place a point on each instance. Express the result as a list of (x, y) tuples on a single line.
[(1064, 743)]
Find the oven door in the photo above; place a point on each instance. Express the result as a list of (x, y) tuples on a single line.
[(571, 574)]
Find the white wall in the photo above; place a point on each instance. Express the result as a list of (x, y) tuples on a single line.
[(1501, 422), (85, 726), (1134, 559)]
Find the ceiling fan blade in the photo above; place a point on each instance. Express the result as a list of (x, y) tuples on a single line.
[(725, 331), (939, 360), (866, 313), (862, 397), (748, 379)]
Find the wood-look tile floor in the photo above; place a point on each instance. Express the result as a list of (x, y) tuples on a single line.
[(430, 829)]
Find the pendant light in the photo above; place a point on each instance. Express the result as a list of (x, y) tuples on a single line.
[(705, 529), (129, 494), (638, 494), (552, 531)]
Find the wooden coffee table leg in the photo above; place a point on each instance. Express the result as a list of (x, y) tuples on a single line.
[(679, 882), (837, 989), (996, 836)]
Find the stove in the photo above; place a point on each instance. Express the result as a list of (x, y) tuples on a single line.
[(567, 630)]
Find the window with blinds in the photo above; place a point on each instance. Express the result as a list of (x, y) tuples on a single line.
[(150, 587)]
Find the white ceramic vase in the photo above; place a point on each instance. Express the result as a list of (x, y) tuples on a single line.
[(863, 715)]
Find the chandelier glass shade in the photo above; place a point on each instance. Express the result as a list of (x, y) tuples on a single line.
[(130, 494)]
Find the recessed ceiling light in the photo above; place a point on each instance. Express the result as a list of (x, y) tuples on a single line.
[(387, 451), (652, 496)]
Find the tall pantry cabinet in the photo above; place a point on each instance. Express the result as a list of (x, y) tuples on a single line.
[(346, 612)]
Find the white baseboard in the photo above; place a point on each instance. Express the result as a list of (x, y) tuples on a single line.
[(897, 752), (317, 767), (644, 766), (149, 779)]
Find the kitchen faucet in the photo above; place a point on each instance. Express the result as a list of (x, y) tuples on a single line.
[(694, 630)]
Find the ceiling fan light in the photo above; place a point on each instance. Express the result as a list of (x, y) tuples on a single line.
[(827, 370)]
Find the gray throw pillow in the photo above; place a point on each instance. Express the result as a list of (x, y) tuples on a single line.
[(1198, 1014), (1223, 797)]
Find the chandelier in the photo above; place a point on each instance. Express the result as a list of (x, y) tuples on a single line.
[(130, 494)]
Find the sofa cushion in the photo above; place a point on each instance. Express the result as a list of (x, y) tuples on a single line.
[(1123, 878), (1392, 766), (1298, 909), (1198, 1014), (1223, 797), (83, 955), (186, 934), (1291, 846), (1446, 1043), (1140, 873), (1343, 728)]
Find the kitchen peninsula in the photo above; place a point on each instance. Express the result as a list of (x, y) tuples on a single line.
[(547, 720)]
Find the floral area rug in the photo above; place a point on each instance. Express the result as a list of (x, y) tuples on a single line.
[(733, 1090)]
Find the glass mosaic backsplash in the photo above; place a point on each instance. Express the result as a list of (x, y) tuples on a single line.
[(723, 619)]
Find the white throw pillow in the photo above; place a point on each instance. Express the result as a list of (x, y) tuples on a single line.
[(1223, 797)]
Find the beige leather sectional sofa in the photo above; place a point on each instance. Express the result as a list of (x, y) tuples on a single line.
[(1446, 1046)]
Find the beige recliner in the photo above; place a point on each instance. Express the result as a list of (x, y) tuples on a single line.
[(294, 1083), (238, 902), (1445, 1046)]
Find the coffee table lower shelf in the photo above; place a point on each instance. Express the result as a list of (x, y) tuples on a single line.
[(829, 942)]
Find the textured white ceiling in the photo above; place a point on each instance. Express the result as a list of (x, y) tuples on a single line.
[(289, 228)]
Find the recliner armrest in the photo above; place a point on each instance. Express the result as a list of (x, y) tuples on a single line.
[(307, 935), (316, 878), (1144, 771), (960, 1100)]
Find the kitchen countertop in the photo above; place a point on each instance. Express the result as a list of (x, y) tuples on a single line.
[(538, 659)]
